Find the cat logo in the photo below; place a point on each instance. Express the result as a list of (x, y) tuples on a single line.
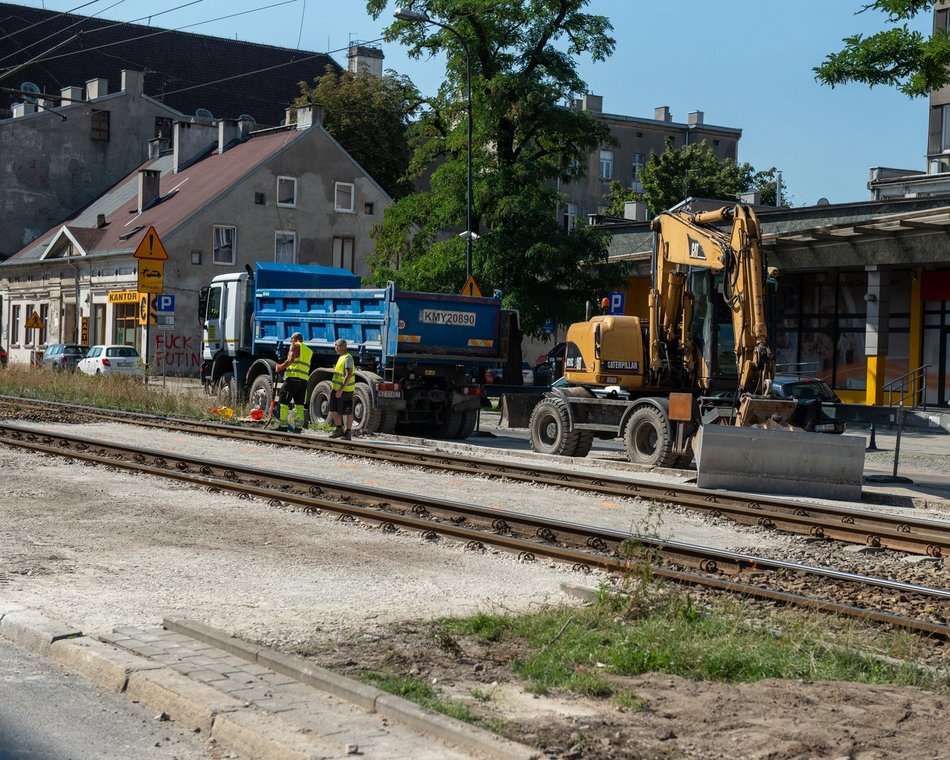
[(695, 249)]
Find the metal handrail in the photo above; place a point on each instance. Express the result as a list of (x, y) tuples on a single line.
[(911, 385)]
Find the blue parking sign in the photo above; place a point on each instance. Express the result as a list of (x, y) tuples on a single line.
[(165, 303), (550, 324), (616, 303)]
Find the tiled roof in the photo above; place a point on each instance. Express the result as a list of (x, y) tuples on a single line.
[(172, 61), (183, 195)]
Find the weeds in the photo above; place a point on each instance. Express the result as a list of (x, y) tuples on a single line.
[(419, 692)]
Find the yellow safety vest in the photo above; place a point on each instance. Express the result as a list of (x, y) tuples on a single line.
[(339, 371), (300, 367)]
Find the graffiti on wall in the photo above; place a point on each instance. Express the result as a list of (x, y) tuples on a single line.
[(176, 353)]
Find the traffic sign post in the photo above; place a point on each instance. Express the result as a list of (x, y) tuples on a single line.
[(151, 256), (470, 288)]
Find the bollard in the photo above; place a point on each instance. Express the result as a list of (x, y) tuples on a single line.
[(872, 446)]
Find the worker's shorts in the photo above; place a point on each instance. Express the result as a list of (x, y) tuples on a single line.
[(343, 405), (292, 389)]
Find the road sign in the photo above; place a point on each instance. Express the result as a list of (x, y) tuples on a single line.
[(549, 326), (617, 303), (34, 322), (151, 276), (146, 309), (165, 303), (151, 247), (470, 288)]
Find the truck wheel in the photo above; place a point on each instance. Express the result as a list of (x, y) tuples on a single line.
[(262, 391), (448, 428), (320, 403), (366, 415), (647, 439), (467, 425), (549, 429), (226, 391), (388, 422)]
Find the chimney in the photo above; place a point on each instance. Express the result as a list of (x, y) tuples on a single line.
[(593, 103), (71, 95), (44, 104), (288, 118), (191, 139), (100, 220), (662, 113), (133, 82), (96, 88), (752, 198), (364, 59), (149, 180), (635, 210), (694, 118), (155, 147), (22, 109), (308, 115), (228, 131), (245, 125)]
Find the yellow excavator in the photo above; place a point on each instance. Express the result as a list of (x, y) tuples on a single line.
[(694, 379)]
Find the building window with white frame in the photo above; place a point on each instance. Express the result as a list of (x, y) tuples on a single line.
[(287, 192), (636, 172), (224, 245), (285, 247), (344, 195), (343, 253), (570, 216), (15, 325), (606, 164)]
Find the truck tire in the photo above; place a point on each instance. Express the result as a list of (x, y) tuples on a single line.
[(466, 425), (647, 439), (366, 415), (549, 429), (584, 443), (320, 403), (261, 394), (388, 422), (448, 428), (226, 390)]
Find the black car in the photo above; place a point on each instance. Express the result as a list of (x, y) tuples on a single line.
[(816, 408)]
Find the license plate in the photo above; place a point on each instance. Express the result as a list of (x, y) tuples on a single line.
[(389, 394), (826, 428)]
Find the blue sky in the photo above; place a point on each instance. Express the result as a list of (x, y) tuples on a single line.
[(745, 63)]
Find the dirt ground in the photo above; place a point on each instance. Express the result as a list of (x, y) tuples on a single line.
[(98, 548)]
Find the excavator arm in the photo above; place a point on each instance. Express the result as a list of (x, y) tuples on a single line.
[(683, 241)]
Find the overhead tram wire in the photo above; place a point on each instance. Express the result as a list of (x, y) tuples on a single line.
[(58, 15), (48, 37), (161, 31)]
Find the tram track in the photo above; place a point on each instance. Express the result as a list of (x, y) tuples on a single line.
[(821, 521), (529, 536)]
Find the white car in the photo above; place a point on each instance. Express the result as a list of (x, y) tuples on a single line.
[(106, 360)]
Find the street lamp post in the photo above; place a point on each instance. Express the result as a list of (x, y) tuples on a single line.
[(421, 18)]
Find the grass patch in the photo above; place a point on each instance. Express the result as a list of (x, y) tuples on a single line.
[(419, 692), (589, 651), (105, 391)]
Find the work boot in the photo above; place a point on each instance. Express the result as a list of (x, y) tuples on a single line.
[(339, 432), (346, 436), (281, 428)]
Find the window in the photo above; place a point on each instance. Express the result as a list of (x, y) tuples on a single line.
[(369, 208), (214, 303), (945, 128), (287, 192), (15, 325), (99, 130), (126, 324), (285, 247), (343, 253), (259, 199), (606, 164), (636, 169), (570, 216), (163, 128), (225, 245), (344, 197), (44, 318)]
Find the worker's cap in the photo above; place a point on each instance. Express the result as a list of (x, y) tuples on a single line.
[(296, 336)]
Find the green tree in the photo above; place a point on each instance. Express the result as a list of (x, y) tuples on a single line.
[(900, 57), (695, 171), (369, 116), (522, 55), (617, 196)]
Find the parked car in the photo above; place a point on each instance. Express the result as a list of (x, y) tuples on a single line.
[(112, 359), (815, 410), (527, 374), (551, 367), (63, 356)]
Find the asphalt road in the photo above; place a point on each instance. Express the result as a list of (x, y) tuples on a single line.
[(47, 713)]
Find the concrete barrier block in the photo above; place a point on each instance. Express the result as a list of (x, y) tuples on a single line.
[(31, 631), (102, 663), (255, 735), (192, 704), (360, 694), (452, 731)]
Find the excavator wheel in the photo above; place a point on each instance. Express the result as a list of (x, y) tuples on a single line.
[(648, 440), (549, 425)]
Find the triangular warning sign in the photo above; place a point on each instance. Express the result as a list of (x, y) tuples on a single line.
[(470, 288), (34, 322), (151, 247)]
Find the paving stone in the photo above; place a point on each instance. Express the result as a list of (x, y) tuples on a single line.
[(207, 676), (145, 650)]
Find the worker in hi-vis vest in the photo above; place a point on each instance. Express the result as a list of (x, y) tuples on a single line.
[(296, 369), (341, 399)]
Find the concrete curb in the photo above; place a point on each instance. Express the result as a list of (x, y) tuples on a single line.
[(251, 733), (369, 698)]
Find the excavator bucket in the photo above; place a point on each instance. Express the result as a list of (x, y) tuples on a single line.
[(776, 461)]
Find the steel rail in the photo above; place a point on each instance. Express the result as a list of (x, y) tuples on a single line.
[(177, 467), (882, 530)]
